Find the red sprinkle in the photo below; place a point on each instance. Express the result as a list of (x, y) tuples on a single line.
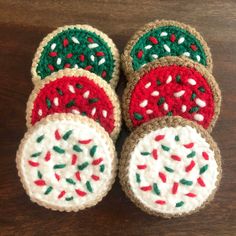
[(90, 40), (74, 159), (85, 141), (104, 74), (162, 176), (62, 193), (77, 175), (154, 154), (146, 188), (95, 177), (201, 182), (58, 177), (48, 156), (189, 145), (172, 38), (191, 194), (34, 164), (88, 67), (159, 137), (69, 55), (80, 193), (67, 65), (51, 68), (193, 47), (205, 155), (160, 202), (57, 135), (97, 161), (65, 42), (190, 166), (175, 157), (142, 167), (40, 182), (100, 54), (153, 40), (139, 54), (81, 57), (52, 54), (175, 188)]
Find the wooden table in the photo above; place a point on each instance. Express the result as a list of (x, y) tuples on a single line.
[(23, 25)]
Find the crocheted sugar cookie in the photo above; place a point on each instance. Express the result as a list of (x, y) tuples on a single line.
[(169, 87), (165, 38), (66, 162), (76, 91), (77, 46), (170, 167)]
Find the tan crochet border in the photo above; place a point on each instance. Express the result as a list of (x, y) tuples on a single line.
[(127, 60), (133, 140), (115, 53), (166, 61), (78, 72), (61, 117)]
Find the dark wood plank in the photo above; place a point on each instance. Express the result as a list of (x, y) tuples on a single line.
[(23, 24)]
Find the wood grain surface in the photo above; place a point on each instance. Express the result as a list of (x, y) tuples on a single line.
[(23, 24)]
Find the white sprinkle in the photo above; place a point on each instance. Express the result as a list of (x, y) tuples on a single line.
[(166, 106), (163, 34), (179, 94), (187, 54), (101, 61), (71, 88), (169, 79), (166, 47), (155, 56), (92, 57), (93, 45), (148, 46), (198, 58), (149, 111), (198, 117), (183, 108), (55, 101), (143, 65), (53, 46), (147, 85), (40, 112), (76, 66), (58, 61), (143, 103), (192, 81), (104, 113), (155, 93), (75, 40), (86, 94), (93, 111), (181, 40), (75, 111), (200, 102)]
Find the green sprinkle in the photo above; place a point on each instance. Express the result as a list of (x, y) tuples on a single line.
[(40, 138), (178, 79), (69, 198), (89, 187), (79, 86), (191, 154), (169, 113), (169, 169), (203, 169), (70, 103), (83, 113), (138, 116), (93, 100), (179, 204), (40, 175), (177, 138), (49, 189), (193, 96), (77, 148), (36, 154), (138, 180), (59, 91), (156, 189), (67, 135), (194, 109), (102, 168), (70, 181), (93, 150), (60, 166), (165, 148), (158, 82), (161, 101), (201, 89), (48, 102), (186, 182), (58, 149), (83, 166), (145, 153)]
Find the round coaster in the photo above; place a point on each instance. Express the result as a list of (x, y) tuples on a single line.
[(66, 162), (77, 46), (170, 167), (169, 87), (165, 38), (75, 91)]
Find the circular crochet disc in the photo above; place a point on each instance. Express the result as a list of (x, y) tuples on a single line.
[(170, 167), (75, 91), (165, 38), (66, 162), (172, 86), (77, 46)]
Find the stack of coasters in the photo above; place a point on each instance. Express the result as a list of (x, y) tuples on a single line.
[(67, 159), (170, 166)]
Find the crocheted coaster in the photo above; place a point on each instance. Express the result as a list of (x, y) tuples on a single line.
[(77, 46), (170, 167), (165, 38), (169, 87), (66, 162), (76, 91)]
